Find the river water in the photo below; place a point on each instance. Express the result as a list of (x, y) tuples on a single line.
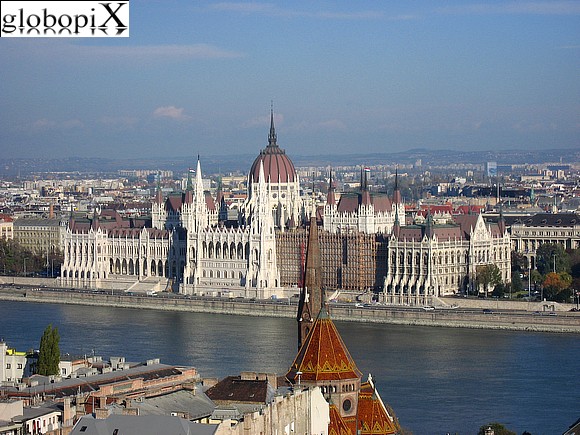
[(437, 380)]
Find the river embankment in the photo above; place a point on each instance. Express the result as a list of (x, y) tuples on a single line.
[(479, 314)]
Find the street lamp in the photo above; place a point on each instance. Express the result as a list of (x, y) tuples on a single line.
[(529, 280), (24, 266)]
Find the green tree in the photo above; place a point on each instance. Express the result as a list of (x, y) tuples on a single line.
[(488, 275), (501, 289), (552, 256), (574, 255), (49, 353), (519, 262), (498, 429), (517, 284), (13, 257)]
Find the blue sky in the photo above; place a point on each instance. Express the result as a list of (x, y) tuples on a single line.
[(344, 76)]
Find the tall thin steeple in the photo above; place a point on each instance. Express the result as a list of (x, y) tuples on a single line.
[(365, 194), (501, 220), (159, 193), (396, 192), (272, 135), (331, 196), (312, 295)]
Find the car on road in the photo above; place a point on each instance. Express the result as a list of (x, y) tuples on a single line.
[(487, 311)]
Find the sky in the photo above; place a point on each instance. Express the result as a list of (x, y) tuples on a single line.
[(342, 77)]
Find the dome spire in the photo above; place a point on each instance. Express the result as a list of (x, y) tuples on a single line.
[(272, 135)]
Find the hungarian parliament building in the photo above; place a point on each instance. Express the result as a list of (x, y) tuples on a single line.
[(367, 242)]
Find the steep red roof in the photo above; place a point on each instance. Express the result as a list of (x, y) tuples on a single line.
[(372, 414), (173, 203), (337, 425), (209, 202), (467, 222), (323, 356)]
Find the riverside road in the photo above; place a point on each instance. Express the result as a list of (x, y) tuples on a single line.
[(486, 314)]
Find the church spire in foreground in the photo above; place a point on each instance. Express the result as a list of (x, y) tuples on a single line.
[(324, 361), (312, 295)]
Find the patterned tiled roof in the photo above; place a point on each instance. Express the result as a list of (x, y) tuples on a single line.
[(337, 425), (323, 356), (372, 414)]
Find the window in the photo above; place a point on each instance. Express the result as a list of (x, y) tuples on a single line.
[(7, 366), (19, 365), (346, 405)]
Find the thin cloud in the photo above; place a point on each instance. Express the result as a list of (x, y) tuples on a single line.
[(272, 10), (524, 7), (170, 112), (43, 124), (138, 53), (250, 7), (194, 51), (49, 124)]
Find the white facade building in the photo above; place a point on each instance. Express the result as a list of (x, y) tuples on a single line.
[(185, 250), (429, 260)]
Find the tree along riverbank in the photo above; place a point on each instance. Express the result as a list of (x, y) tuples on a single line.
[(460, 317)]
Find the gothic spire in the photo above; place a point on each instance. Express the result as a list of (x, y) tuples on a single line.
[(396, 192), (312, 295), (330, 196), (272, 135), (159, 193)]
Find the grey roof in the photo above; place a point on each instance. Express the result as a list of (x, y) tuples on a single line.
[(69, 386), (37, 222), (549, 220), (140, 425), (32, 412), (185, 402)]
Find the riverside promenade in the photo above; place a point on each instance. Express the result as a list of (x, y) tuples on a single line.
[(468, 313)]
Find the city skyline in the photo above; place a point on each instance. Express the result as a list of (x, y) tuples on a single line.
[(367, 77)]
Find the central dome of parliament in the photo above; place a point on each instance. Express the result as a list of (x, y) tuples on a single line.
[(278, 168)]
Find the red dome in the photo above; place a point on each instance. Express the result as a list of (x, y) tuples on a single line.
[(277, 165)]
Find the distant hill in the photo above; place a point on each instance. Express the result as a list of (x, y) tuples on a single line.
[(10, 168)]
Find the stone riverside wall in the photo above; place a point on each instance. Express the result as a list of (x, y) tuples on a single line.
[(516, 320)]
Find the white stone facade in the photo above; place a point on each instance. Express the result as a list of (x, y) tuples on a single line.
[(429, 261), (185, 250)]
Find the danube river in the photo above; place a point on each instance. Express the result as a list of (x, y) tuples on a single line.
[(438, 380)]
